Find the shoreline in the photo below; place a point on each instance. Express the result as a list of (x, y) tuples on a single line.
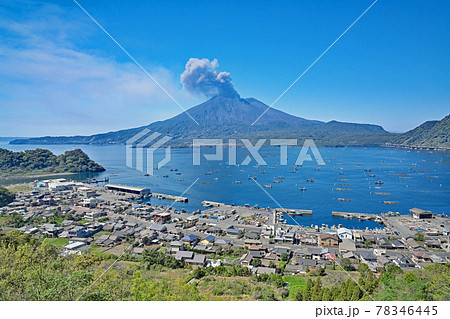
[(14, 177)]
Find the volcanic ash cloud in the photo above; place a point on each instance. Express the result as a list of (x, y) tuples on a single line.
[(202, 77)]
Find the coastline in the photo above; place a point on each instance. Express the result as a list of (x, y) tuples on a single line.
[(13, 177)]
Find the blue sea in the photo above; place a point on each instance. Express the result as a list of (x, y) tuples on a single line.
[(411, 178)]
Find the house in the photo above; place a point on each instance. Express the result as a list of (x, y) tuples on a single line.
[(86, 191), (51, 230), (384, 261), (403, 261), (316, 253), (329, 256), (420, 256), (137, 251), (197, 261), (191, 221), (413, 244), (368, 257), (307, 263), (264, 270), (233, 231), (190, 239), (344, 233), (256, 253), (158, 228), (328, 240), (281, 250), (183, 255), (347, 245), (251, 235), (176, 246), (438, 259), (100, 240), (246, 259), (271, 256), (397, 244), (221, 242), (205, 249), (77, 248), (161, 217), (432, 243), (85, 241), (77, 231), (370, 260), (294, 269), (208, 240)]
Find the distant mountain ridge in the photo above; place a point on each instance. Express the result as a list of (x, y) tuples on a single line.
[(223, 117), (431, 134)]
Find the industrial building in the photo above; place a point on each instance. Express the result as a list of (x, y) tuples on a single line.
[(128, 189), (420, 213)]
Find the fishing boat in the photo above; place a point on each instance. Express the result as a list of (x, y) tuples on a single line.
[(237, 182), (379, 182), (302, 188), (268, 186), (310, 180), (166, 176)]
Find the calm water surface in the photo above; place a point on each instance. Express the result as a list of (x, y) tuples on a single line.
[(411, 178)]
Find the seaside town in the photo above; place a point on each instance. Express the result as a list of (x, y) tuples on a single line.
[(119, 219)]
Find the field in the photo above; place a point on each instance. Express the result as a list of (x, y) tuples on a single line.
[(58, 242), (19, 188), (296, 283)]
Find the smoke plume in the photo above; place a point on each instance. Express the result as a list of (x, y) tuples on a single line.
[(202, 77)]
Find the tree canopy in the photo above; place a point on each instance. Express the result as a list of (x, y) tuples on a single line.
[(43, 161)]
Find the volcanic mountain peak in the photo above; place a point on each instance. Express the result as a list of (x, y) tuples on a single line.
[(224, 116)]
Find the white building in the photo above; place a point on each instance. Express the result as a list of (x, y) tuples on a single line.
[(344, 233)]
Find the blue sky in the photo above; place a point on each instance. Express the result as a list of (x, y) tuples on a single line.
[(61, 75)]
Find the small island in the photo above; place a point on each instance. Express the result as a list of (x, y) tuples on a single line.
[(44, 162)]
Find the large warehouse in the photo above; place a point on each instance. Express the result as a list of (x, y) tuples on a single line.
[(128, 189)]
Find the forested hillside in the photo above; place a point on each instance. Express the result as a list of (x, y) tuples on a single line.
[(428, 134), (41, 161), (31, 269), (6, 196)]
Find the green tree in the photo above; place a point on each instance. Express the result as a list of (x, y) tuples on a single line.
[(347, 264), (419, 236), (6, 196)]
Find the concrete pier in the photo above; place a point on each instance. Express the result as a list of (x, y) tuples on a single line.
[(170, 197)]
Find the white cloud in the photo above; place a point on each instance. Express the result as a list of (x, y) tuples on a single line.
[(50, 86)]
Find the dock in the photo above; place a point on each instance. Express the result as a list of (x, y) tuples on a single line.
[(212, 204), (295, 212), (170, 197), (360, 216)]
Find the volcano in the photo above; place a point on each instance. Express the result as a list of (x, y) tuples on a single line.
[(232, 117)]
